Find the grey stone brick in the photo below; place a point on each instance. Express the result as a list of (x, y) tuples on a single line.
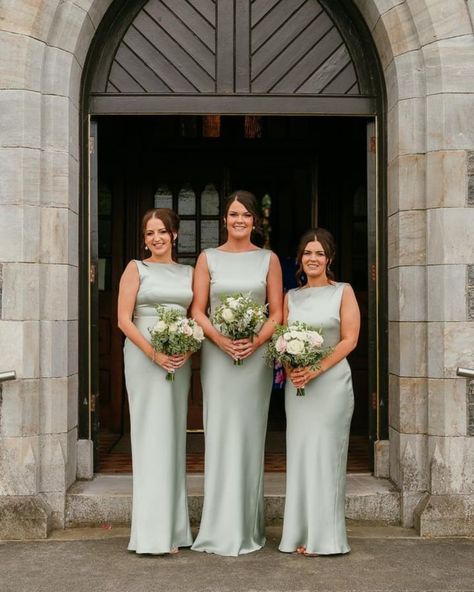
[(1, 288), (470, 185), (470, 275)]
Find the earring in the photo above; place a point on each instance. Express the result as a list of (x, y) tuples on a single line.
[(146, 248), (253, 227)]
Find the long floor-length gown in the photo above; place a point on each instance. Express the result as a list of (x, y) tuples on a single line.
[(158, 411), (236, 400), (318, 436)]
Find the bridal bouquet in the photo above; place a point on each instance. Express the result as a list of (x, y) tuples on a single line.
[(175, 334), (297, 345), (239, 317)]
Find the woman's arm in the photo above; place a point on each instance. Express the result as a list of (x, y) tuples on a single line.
[(350, 327), (128, 290), (201, 287), (246, 347)]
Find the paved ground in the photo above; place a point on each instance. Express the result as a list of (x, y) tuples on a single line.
[(96, 560)]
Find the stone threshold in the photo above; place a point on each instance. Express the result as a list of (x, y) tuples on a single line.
[(107, 499)]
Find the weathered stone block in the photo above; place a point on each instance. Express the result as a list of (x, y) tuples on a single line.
[(407, 349), (54, 349), (408, 461), (20, 176), (54, 405), (407, 294), (19, 466), (449, 232), (73, 398), (60, 73), (446, 292), (382, 459), (22, 59), (20, 118), (470, 175), (19, 409), (438, 20), (56, 503), (19, 237), (71, 30), (20, 291), (407, 239), (95, 9), (446, 179), (55, 114), (55, 178), (24, 517), (85, 459), (59, 285), (451, 464), (450, 122), (449, 346), (446, 515), (28, 18), (406, 128), (405, 76), (447, 405), (408, 400), (395, 33), (373, 10), (19, 346), (449, 66), (53, 455), (407, 183), (54, 235), (73, 346)]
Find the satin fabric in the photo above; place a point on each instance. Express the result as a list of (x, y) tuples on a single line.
[(236, 400), (317, 436), (158, 410)]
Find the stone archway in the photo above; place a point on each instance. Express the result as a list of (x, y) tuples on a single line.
[(426, 53)]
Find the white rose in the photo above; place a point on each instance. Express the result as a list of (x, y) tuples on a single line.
[(173, 328), (198, 333), (233, 303), (287, 336), (187, 330), (160, 326), (295, 346), (227, 315)]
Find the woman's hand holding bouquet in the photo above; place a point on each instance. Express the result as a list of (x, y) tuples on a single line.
[(300, 349), (175, 337), (239, 319)]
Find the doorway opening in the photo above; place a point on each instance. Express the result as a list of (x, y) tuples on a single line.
[(306, 171)]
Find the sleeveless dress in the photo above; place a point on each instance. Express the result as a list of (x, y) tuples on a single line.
[(158, 411), (236, 400), (318, 436)]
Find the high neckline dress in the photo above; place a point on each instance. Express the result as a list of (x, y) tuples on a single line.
[(236, 400), (158, 411), (317, 436)]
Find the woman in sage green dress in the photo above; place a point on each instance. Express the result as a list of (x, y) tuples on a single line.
[(318, 423), (158, 407), (236, 398)]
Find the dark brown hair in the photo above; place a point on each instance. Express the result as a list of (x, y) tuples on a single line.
[(249, 201), (326, 239), (169, 218)]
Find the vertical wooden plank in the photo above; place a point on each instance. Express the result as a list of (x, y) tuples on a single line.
[(225, 46), (242, 46)]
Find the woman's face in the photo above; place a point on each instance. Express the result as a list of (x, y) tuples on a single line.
[(314, 260), (157, 239), (239, 221)]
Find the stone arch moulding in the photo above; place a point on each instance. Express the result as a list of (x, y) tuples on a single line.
[(307, 57)]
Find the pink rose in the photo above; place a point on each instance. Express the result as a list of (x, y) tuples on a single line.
[(280, 345)]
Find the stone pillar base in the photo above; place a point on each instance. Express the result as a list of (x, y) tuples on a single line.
[(445, 515), (381, 459), (24, 517), (85, 459)]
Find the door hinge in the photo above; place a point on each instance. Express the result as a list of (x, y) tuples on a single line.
[(374, 401), (373, 144), (92, 273), (373, 272), (93, 403), (91, 145)]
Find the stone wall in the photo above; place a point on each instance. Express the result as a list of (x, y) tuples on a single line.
[(427, 52)]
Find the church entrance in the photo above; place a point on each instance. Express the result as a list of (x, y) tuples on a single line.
[(305, 171)]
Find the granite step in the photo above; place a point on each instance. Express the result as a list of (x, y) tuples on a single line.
[(107, 499)]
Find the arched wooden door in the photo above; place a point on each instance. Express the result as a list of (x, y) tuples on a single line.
[(268, 57)]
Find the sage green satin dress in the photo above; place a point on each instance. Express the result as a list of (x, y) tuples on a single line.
[(318, 436), (236, 400), (158, 410)]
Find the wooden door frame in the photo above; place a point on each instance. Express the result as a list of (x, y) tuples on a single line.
[(371, 105)]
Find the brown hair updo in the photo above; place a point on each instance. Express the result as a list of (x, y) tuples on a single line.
[(170, 220), (326, 239), (249, 201)]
